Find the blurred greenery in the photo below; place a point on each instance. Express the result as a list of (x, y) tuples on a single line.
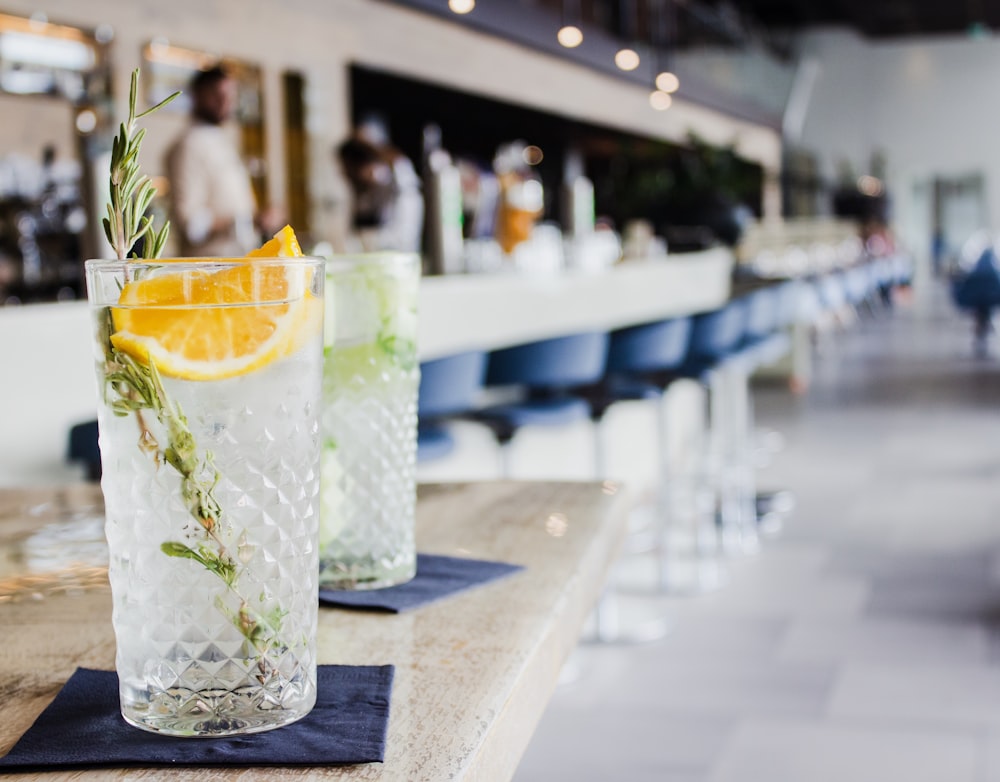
[(676, 185)]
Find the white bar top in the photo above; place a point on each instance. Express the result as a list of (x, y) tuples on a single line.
[(485, 312)]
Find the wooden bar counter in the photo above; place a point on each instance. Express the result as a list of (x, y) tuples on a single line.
[(473, 672)]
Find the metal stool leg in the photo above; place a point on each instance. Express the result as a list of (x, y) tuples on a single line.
[(607, 624), (746, 488), (724, 424), (703, 571)]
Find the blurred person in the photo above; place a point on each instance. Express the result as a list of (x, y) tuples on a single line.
[(975, 288), (388, 206), (211, 201)]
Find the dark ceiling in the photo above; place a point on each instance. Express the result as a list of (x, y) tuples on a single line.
[(696, 22), (880, 18)]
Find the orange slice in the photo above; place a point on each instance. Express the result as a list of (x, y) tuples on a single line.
[(181, 323), (284, 244)]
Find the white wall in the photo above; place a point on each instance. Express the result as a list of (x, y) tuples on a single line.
[(931, 104), (40, 120), (321, 37)]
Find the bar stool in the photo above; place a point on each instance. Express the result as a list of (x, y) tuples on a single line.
[(771, 507), (83, 448), (558, 376), (547, 371), (832, 291), (642, 361), (716, 342), (448, 387), (860, 286), (770, 311)]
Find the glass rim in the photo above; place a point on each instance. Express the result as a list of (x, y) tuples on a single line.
[(105, 279), (383, 259), (115, 265)]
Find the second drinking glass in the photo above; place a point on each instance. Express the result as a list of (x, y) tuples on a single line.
[(369, 422)]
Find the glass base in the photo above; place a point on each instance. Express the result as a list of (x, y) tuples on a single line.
[(337, 574), (211, 714)]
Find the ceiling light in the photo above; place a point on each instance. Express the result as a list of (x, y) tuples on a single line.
[(667, 82), (627, 59), (461, 6), (570, 36), (659, 100)]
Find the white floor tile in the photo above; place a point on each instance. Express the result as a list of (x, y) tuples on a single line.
[(651, 745), (779, 751), (894, 641), (943, 695)]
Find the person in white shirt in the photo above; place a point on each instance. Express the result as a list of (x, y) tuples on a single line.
[(388, 208), (212, 205)]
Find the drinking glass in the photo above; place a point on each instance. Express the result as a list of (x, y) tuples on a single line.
[(369, 422), (209, 374)]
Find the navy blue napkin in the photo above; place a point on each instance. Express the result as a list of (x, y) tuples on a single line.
[(83, 727), (437, 577)]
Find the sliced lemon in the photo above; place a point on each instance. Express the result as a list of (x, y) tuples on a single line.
[(173, 319)]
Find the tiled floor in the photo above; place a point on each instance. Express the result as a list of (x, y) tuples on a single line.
[(864, 644)]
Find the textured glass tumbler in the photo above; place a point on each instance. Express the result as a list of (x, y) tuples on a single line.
[(370, 383), (209, 377)]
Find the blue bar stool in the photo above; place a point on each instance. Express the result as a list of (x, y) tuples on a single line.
[(832, 291), (641, 364), (558, 376), (548, 371), (859, 286), (771, 310), (713, 360), (448, 387), (83, 448), (773, 506)]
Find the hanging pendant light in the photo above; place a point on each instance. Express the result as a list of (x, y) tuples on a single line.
[(666, 80), (570, 35), (660, 100), (627, 58)]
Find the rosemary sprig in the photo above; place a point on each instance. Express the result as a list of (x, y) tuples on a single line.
[(133, 387), (131, 191)]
